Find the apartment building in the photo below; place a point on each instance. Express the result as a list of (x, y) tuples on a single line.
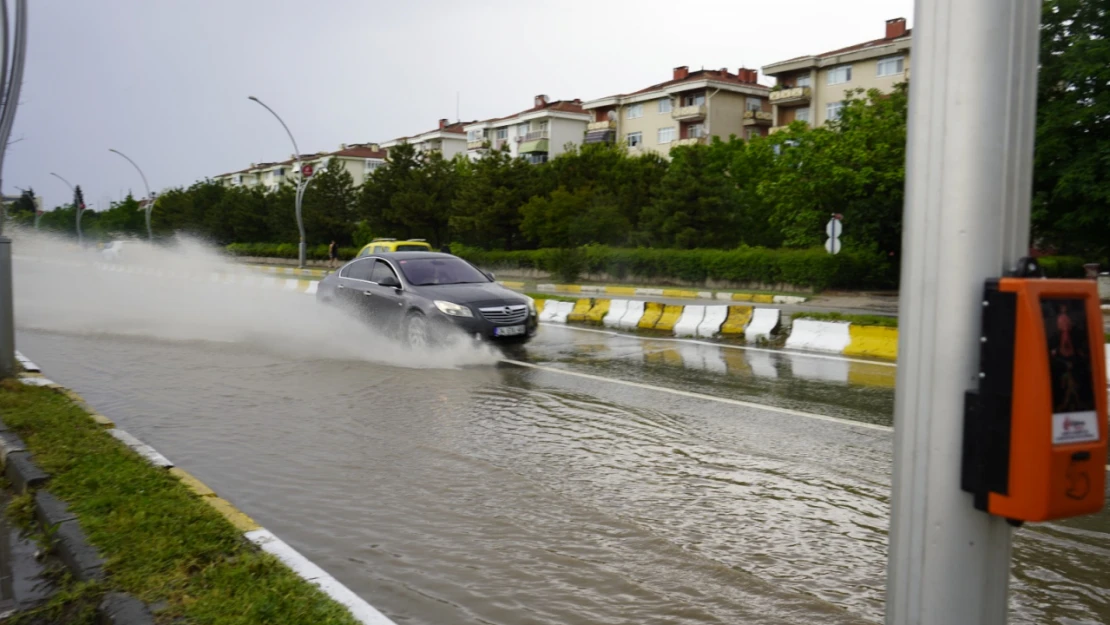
[(688, 109), (448, 139), (811, 88), (537, 133), (360, 160)]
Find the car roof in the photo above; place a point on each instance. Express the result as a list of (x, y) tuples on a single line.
[(413, 255)]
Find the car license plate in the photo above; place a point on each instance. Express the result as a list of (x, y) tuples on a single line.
[(508, 331)]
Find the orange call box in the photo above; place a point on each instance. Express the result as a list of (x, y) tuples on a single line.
[(1035, 431)]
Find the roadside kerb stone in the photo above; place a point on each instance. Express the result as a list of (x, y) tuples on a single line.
[(76, 553), (51, 511), (22, 473), (9, 443), (122, 609)]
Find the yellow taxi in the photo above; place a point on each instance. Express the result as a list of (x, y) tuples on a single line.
[(393, 245)]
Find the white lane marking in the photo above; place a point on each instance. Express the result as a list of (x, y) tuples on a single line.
[(303, 567), (729, 346), (700, 396)]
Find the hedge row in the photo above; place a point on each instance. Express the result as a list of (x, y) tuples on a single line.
[(287, 250), (807, 268)]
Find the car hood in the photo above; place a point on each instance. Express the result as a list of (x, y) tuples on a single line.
[(480, 293)]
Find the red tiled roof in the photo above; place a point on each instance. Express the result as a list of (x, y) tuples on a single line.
[(360, 151), (859, 46), (456, 128), (701, 74), (564, 106)]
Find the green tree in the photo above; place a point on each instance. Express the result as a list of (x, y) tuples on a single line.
[(491, 191), (121, 219), (329, 205), (569, 219), (25, 206), (696, 205), (1071, 196)]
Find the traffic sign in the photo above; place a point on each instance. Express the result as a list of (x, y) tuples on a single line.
[(306, 170), (833, 229)]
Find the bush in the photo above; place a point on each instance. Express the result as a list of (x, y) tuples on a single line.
[(806, 268), (286, 250), (1062, 266)]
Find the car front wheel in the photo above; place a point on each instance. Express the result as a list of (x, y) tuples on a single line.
[(416, 331)]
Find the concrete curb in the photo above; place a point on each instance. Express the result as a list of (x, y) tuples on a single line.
[(85, 563), (626, 291), (676, 319)]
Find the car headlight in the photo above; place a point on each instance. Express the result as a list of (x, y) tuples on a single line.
[(532, 306), (452, 309)]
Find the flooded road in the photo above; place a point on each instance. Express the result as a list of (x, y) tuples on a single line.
[(606, 479), (517, 495)]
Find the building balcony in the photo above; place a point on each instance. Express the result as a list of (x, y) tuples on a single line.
[(689, 113), (607, 124), (689, 141), (775, 129), (794, 95), (481, 144), (757, 118), (536, 135)]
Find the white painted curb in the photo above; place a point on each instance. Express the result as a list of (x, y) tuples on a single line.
[(788, 299), (27, 365), (617, 310), (715, 317), (650, 292), (764, 321), (632, 316), (821, 336), (687, 324), (141, 448)]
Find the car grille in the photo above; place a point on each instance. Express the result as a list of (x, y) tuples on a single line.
[(514, 313)]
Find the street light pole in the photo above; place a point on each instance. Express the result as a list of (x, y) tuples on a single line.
[(73, 191), (10, 84), (301, 180), (149, 197)]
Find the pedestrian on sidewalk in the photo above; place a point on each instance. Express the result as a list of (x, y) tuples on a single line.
[(333, 255)]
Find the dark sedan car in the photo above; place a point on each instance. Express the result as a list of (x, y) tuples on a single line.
[(422, 296)]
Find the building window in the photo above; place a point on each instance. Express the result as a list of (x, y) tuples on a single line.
[(801, 114), (693, 99), (635, 139), (522, 130), (751, 133), (543, 126), (666, 135), (372, 164), (279, 172), (537, 158), (474, 135), (665, 105), (635, 111), (802, 81), (840, 75), (832, 111), (892, 65), (755, 104), (502, 134), (695, 131)]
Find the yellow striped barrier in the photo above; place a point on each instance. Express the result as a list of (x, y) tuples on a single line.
[(738, 319), (597, 313), (874, 341), (671, 313), (652, 312), (581, 307)]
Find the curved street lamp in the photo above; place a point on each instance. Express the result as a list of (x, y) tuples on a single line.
[(149, 197), (73, 191), (301, 181)]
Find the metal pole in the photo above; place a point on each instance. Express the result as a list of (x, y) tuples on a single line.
[(7, 316), (149, 198), (968, 186), (300, 181), (73, 191)]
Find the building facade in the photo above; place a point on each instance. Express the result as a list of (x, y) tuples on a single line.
[(544, 131), (812, 88), (360, 160), (448, 139), (686, 110)]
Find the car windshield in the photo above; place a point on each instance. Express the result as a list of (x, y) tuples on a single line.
[(412, 248), (426, 271)]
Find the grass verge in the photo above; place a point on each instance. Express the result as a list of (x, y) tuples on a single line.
[(558, 298), (861, 320), (161, 542)]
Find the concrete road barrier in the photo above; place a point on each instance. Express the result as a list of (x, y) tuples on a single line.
[(874, 341), (820, 336), (578, 313), (688, 323), (670, 316), (561, 310), (737, 321), (599, 311), (617, 309), (632, 315), (763, 324), (652, 312), (710, 325)]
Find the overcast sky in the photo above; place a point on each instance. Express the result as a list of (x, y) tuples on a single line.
[(166, 81)]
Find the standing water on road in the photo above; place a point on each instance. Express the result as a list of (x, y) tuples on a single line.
[(509, 495)]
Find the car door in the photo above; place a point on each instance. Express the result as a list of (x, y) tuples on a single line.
[(354, 280), (389, 302)]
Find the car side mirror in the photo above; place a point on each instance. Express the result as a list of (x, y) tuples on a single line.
[(390, 282), (489, 274)]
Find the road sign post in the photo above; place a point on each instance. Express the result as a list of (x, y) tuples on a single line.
[(833, 229), (968, 186)]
